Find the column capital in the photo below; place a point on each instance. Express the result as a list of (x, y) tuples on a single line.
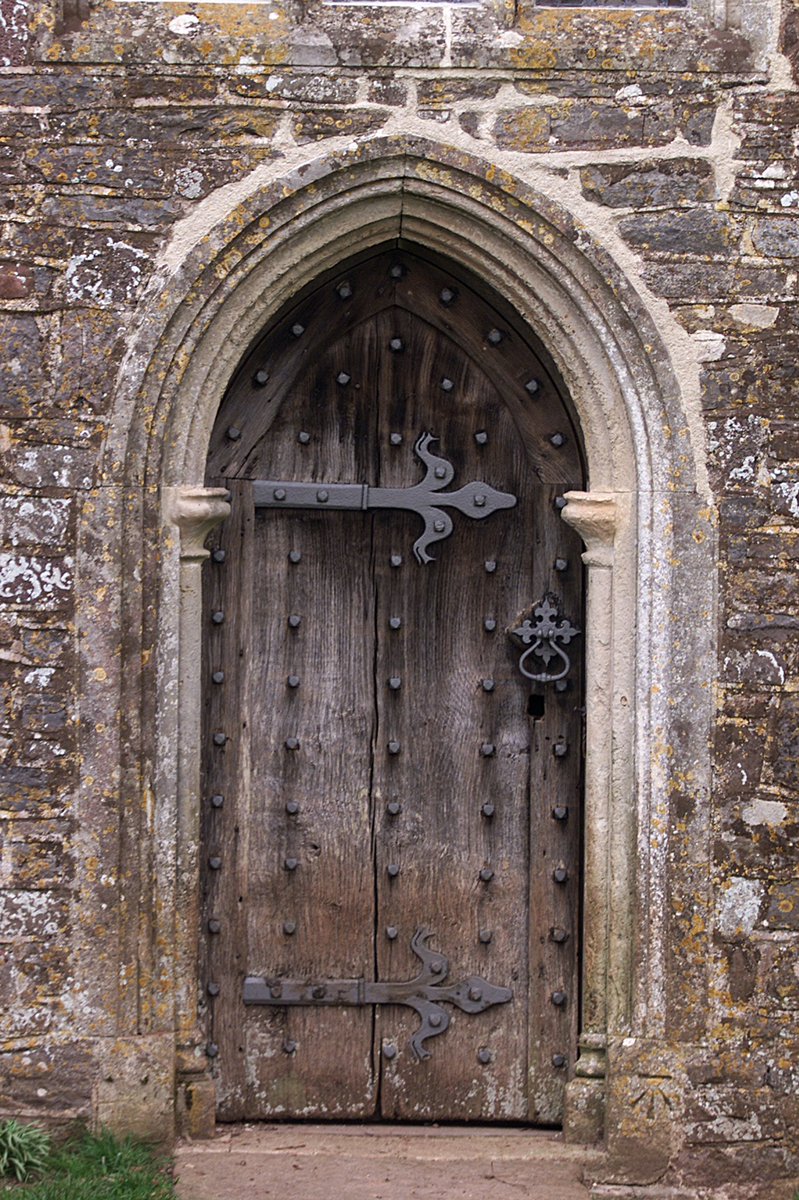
[(595, 516), (196, 511)]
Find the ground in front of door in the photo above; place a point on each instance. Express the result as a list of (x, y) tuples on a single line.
[(373, 1162)]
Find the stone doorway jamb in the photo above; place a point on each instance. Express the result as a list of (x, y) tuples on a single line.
[(639, 520)]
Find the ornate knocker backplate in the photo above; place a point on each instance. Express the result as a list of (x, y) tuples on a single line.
[(543, 635)]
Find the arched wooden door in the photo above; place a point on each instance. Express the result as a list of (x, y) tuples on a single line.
[(387, 797)]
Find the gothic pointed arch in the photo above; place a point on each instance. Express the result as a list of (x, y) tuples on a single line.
[(644, 518)]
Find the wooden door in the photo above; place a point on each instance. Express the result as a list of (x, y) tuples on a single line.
[(376, 764)]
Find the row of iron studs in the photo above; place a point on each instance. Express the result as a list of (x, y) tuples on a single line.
[(447, 296), (216, 801)]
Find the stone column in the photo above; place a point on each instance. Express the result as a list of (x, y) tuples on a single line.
[(196, 511), (594, 515)]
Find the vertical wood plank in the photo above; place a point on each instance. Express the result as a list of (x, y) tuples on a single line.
[(224, 822)]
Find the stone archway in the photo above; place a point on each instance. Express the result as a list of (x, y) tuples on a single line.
[(644, 521)]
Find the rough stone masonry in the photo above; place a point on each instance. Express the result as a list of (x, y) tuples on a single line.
[(147, 148)]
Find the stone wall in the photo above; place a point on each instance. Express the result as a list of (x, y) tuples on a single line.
[(128, 131)]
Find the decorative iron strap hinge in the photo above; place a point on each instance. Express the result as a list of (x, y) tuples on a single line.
[(426, 993), (476, 499)]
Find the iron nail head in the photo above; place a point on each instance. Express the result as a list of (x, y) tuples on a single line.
[(293, 681), (489, 624), (485, 936), (344, 291), (289, 1046), (393, 747), (292, 743), (532, 386), (217, 617), (559, 999), (279, 493), (395, 683), (211, 1049), (391, 932), (217, 800), (214, 925), (291, 864), (487, 810), (298, 330), (488, 685), (393, 870), (395, 622), (486, 874), (294, 621), (218, 677), (343, 378), (215, 862), (490, 566), (292, 807), (389, 1051), (494, 336), (323, 496), (220, 739), (481, 437), (396, 560), (487, 749), (261, 377), (303, 437), (294, 556), (213, 989), (557, 439), (289, 927), (219, 556), (447, 385), (393, 808), (395, 344), (233, 433), (396, 439), (558, 1060), (561, 564), (484, 1055)]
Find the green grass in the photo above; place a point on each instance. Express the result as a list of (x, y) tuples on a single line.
[(98, 1167), (23, 1149)]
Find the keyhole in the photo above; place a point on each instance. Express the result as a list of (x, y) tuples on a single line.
[(535, 707)]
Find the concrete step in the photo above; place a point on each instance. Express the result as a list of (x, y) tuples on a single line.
[(381, 1162)]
